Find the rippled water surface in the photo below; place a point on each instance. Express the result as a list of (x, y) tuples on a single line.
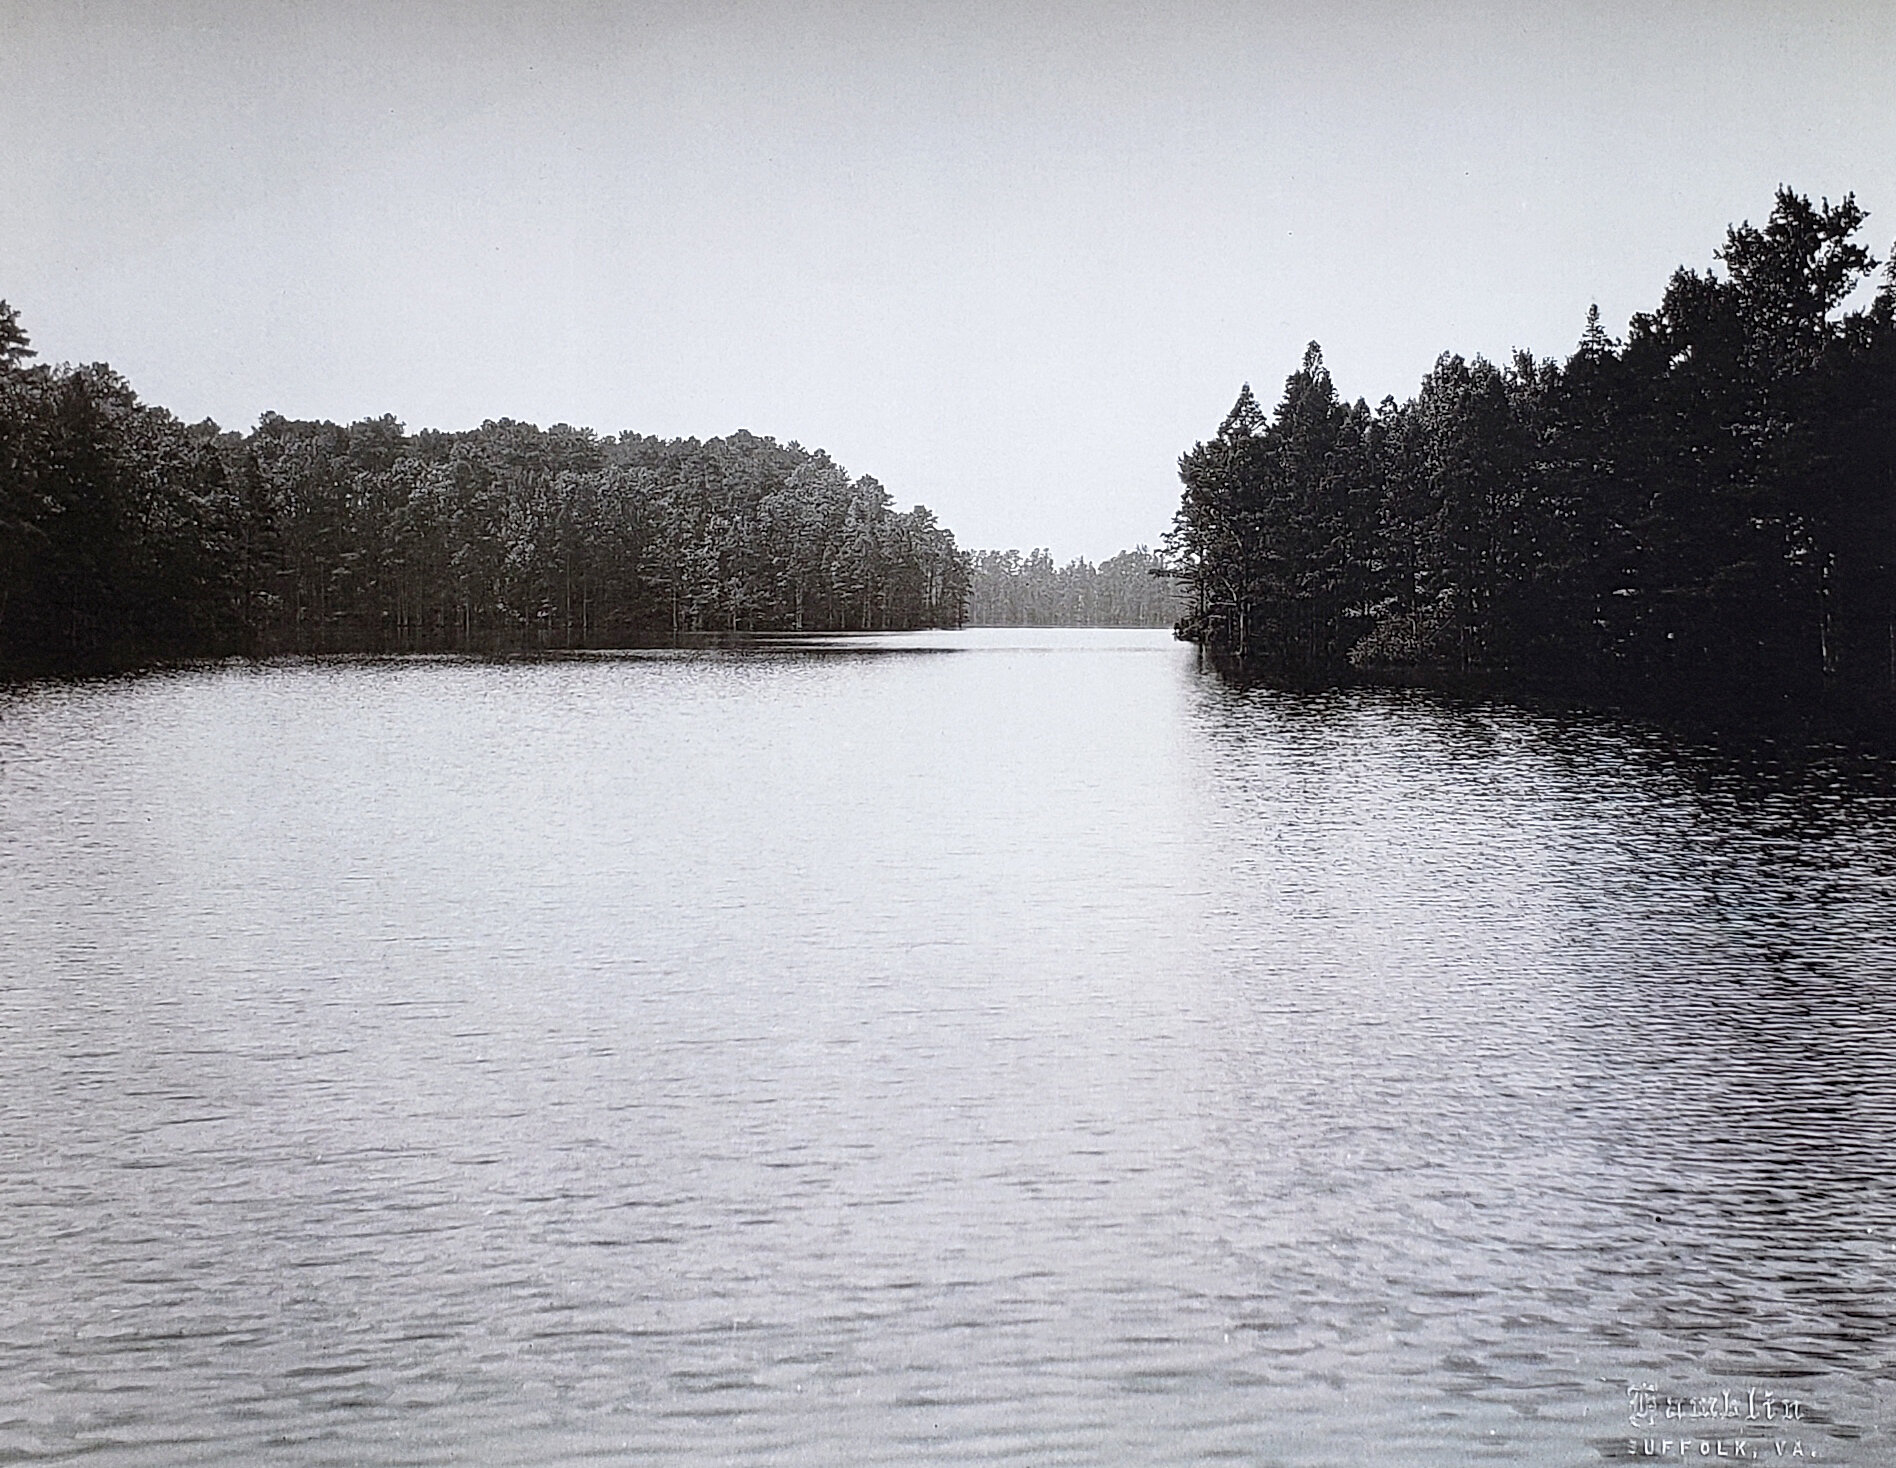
[(975, 1048)]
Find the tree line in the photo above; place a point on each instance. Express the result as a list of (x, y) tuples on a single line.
[(1702, 513), (1011, 590), (128, 536)]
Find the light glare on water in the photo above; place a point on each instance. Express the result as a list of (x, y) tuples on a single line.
[(981, 1047)]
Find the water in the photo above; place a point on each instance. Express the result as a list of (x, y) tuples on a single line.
[(975, 1048)]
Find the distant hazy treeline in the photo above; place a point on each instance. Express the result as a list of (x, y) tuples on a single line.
[(127, 535), (1011, 590), (1704, 511)]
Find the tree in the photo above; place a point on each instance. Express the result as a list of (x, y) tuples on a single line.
[(15, 347), (1704, 512), (126, 535)]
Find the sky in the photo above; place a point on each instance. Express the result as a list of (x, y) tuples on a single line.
[(1011, 259)]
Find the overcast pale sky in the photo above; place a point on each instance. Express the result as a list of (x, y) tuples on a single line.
[(1012, 259)]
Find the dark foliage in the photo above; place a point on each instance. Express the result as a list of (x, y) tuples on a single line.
[(1704, 514), (127, 536), (1126, 590)]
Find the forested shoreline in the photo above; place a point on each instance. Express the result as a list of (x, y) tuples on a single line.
[(1011, 590), (128, 537), (1700, 516)]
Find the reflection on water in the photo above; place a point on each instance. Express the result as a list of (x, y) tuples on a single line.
[(1037, 1053), (1601, 1034)]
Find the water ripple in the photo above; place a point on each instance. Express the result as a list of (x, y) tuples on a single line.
[(1036, 1054)]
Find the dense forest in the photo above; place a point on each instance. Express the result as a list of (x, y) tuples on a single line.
[(1702, 514), (127, 535), (1011, 590)]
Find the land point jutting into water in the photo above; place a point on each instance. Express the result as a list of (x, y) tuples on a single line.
[(1702, 515)]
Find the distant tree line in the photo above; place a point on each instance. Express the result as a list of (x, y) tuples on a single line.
[(1012, 590), (127, 535), (1703, 512)]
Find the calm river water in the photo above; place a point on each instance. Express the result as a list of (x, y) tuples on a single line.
[(1004, 1048)]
